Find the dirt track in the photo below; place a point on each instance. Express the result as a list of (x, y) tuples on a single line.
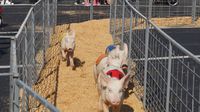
[(76, 89)]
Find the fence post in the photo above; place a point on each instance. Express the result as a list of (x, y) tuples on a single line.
[(123, 22), (130, 35), (136, 17), (33, 33), (115, 15), (48, 24), (150, 9), (91, 10), (44, 31), (111, 19), (14, 103), (169, 77), (56, 8), (146, 61), (194, 6), (146, 51)]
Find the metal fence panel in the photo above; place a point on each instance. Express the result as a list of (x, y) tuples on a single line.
[(167, 73), (28, 50)]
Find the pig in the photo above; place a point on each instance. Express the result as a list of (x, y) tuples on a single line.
[(111, 91), (68, 47)]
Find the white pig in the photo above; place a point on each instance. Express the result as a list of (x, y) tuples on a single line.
[(68, 47)]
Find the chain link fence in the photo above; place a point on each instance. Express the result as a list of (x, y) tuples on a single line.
[(167, 75)]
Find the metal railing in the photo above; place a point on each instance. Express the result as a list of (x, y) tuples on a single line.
[(27, 56), (168, 74)]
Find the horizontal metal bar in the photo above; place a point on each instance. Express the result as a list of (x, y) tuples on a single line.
[(165, 58), (4, 66), (7, 37), (5, 74), (8, 66), (13, 32), (36, 96), (16, 5)]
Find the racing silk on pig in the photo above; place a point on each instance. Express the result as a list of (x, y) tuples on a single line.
[(114, 72), (100, 58)]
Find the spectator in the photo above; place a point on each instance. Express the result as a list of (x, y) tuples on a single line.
[(87, 3), (96, 2)]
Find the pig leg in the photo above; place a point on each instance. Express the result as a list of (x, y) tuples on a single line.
[(95, 73), (63, 55), (105, 107), (68, 60), (71, 59), (100, 104)]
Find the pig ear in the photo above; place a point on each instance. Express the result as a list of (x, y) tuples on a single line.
[(104, 79), (125, 80), (126, 49)]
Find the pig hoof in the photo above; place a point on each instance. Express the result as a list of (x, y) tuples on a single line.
[(73, 68), (63, 59)]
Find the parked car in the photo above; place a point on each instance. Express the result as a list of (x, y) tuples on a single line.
[(169, 2), (1, 12)]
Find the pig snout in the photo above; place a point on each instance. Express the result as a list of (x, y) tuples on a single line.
[(70, 49), (115, 102)]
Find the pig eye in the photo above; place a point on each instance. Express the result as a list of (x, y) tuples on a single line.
[(109, 90), (121, 90), (103, 87)]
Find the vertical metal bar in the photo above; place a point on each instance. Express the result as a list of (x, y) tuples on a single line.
[(27, 78), (150, 9), (193, 89), (123, 22), (146, 51), (33, 32), (146, 61), (130, 35), (91, 10), (136, 16), (111, 23), (194, 6), (56, 9), (115, 15), (169, 76), (13, 69), (48, 22), (44, 31), (54, 12)]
